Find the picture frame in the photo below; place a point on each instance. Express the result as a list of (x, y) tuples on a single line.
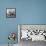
[(35, 29), (10, 12)]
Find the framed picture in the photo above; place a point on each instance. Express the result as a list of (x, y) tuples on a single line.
[(10, 12), (33, 32)]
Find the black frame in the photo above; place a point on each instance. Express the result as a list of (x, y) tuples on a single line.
[(10, 16)]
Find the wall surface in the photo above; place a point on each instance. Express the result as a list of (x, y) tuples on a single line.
[(27, 12)]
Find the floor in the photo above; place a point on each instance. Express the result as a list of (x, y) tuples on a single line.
[(7, 45), (30, 43)]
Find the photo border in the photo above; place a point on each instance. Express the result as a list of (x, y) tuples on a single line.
[(7, 15)]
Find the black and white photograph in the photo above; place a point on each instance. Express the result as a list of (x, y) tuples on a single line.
[(31, 34), (10, 12)]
